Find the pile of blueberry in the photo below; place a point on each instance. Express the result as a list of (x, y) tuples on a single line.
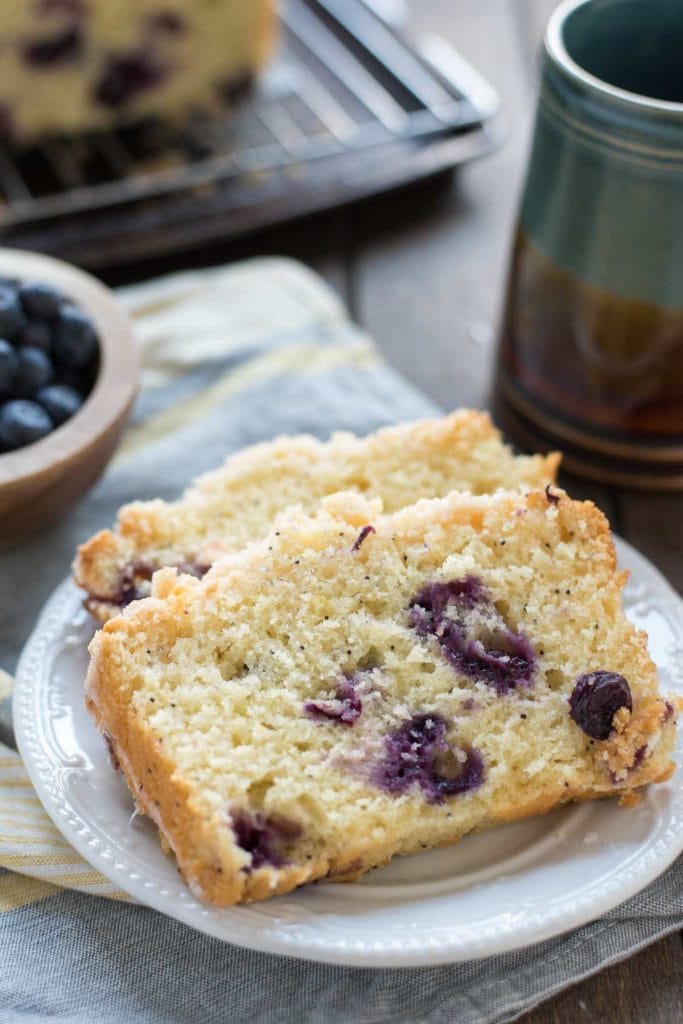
[(49, 356)]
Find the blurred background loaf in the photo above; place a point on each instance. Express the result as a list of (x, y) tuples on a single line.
[(68, 66)]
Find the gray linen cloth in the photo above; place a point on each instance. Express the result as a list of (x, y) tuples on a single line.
[(232, 357)]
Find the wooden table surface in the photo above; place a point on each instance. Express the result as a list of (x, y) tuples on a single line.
[(423, 272)]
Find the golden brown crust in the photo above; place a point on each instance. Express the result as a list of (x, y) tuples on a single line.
[(630, 740)]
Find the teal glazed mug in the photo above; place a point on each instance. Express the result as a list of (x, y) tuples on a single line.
[(590, 353)]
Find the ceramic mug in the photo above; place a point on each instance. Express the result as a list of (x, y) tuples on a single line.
[(590, 355)]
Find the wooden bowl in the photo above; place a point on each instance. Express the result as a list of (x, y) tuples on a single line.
[(40, 482)]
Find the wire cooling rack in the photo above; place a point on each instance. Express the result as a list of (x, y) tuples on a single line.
[(348, 108)]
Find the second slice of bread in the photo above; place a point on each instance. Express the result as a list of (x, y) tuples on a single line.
[(234, 505)]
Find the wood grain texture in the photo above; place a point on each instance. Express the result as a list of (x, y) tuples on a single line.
[(647, 989), (654, 523)]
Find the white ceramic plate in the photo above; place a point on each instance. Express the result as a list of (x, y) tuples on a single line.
[(491, 893)]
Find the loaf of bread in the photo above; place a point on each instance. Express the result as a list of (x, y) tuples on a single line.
[(224, 510), (359, 685), (67, 66)]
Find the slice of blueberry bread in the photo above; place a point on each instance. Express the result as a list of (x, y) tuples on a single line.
[(360, 685), (74, 65), (234, 505)]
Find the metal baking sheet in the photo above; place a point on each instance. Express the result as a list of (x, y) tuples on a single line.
[(348, 108)]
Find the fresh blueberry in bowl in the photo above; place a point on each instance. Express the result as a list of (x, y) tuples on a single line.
[(40, 300), (75, 339), (35, 371), (37, 334), (60, 402), (48, 362), (68, 376), (21, 423)]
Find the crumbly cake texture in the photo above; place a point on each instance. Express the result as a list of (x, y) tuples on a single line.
[(68, 66), (360, 685), (235, 505)]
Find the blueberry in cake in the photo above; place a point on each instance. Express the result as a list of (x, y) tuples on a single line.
[(69, 66), (359, 685), (224, 510)]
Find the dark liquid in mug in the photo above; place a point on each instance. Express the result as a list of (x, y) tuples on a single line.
[(589, 356)]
